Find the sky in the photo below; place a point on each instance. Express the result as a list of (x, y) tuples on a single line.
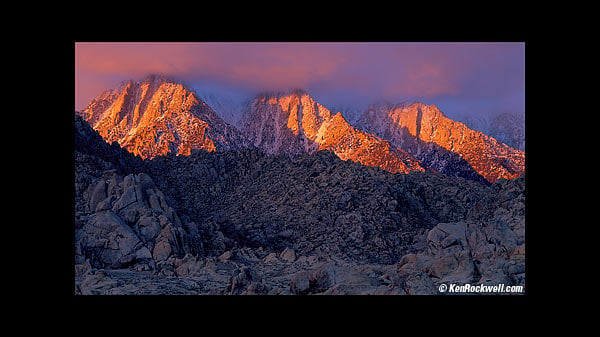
[(462, 79)]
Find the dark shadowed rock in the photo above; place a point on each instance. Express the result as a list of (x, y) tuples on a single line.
[(288, 255), (300, 283), (110, 242), (97, 283), (98, 194), (241, 279)]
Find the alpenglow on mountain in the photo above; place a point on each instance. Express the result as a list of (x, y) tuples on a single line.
[(157, 116), (294, 123), (447, 146)]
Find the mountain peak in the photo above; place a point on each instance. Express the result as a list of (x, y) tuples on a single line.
[(158, 115), (276, 95), (298, 92), (425, 132), (159, 79), (154, 80), (383, 108), (294, 123)]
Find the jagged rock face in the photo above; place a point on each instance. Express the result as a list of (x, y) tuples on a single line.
[(293, 124), (93, 153), (419, 129), (156, 116)]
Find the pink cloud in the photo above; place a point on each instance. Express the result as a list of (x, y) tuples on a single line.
[(393, 70)]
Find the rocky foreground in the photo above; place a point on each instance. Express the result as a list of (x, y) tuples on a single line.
[(247, 223)]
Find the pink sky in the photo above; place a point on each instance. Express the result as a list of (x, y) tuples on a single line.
[(462, 77)]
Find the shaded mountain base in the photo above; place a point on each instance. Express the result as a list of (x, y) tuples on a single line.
[(244, 222), (311, 201), (448, 163)]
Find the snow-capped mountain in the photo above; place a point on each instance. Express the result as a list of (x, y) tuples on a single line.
[(156, 116), (293, 123), (447, 146)]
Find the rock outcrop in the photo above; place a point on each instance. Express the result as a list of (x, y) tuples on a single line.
[(488, 248), (126, 221)]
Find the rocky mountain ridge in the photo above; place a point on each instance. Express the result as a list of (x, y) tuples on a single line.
[(292, 124), (157, 116), (437, 141)]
